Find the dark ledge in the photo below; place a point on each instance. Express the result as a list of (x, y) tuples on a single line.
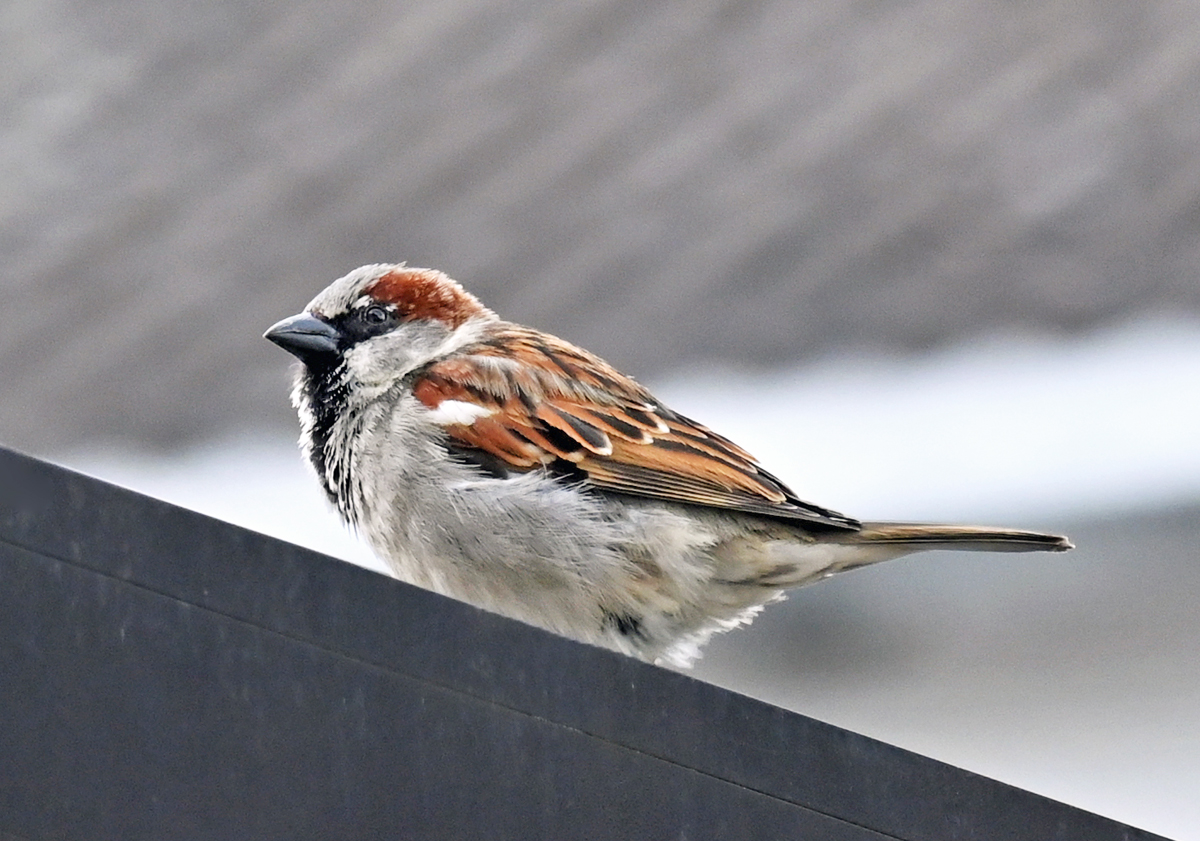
[(167, 675)]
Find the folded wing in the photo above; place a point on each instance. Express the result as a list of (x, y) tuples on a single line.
[(530, 400)]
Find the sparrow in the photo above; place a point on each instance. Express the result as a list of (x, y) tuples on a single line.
[(510, 469)]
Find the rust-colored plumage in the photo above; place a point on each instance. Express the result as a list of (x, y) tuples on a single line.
[(543, 400), (425, 293)]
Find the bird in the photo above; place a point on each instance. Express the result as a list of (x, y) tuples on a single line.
[(510, 469)]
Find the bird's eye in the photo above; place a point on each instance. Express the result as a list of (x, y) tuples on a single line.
[(375, 314)]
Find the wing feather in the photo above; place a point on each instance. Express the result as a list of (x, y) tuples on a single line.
[(545, 400)]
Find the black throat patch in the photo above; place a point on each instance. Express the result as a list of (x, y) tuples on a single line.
[(324, 389)]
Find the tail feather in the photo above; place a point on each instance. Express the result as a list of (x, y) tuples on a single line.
[(792, 564), (922, 536)]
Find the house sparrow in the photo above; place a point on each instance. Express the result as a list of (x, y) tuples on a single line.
[(508, 468)]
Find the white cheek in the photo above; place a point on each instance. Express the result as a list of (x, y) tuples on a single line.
[(358, 360), (457, 412), (374, 365)]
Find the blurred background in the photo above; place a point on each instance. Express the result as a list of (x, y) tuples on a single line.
[(927, 260)]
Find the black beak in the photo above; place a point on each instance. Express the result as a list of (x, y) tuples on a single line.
[(305, 336)]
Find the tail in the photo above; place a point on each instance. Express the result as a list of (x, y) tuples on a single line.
[(920, 537), (798, 564)]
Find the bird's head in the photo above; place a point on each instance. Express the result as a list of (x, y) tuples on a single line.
[(380, 322)]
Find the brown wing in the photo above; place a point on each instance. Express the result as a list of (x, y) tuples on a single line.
[(528, 399)]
